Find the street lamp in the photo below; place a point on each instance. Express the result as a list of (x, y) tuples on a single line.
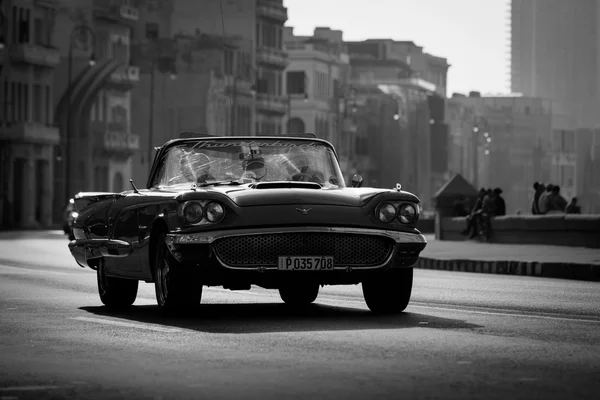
[(77, 30)]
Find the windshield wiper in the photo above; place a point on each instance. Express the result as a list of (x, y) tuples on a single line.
[(218, 183)]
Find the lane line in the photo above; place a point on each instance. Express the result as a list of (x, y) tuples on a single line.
[(155, 328), (503, 312)]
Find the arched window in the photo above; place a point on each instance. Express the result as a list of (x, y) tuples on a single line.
[(118, 183), (296, 125)]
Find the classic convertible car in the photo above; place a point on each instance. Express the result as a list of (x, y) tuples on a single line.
[(273, 212)]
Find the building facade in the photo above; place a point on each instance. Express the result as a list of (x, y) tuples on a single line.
[(504, 142), (92, 96), (555, 54), (398, 69), (271, 61), (28, 61), (316, 86)]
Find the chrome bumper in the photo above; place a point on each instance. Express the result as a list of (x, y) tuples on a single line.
[(174, 240), (209, 237)]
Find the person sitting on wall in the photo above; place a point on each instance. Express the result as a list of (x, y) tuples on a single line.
[(573, 207), (543, 202), (555, 202), (472, 227), (538, 188), (500, 204)]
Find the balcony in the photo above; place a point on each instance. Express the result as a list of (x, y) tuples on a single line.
[(116, 11), (35, 54), (125, 77), (272, 10), (271, 56), (121, 142), (30, 132), (271, 103)]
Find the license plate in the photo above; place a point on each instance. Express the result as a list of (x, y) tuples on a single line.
[(318, 263)]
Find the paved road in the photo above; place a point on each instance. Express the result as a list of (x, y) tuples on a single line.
[(464, 336)]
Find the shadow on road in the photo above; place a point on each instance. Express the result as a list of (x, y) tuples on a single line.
[(270, 317)]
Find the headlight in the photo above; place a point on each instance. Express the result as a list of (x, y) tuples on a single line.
[(214, 212), (407, 213), (193, 212), (386, 212), (74, 214)]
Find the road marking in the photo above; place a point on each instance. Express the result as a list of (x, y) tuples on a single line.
[(503, 312), (464, 362), (127, 324), (28, 388), (9, 398)]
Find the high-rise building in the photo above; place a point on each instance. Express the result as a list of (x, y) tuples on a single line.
[(555, 55), (28, 61)]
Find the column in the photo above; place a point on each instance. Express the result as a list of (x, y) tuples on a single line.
[(45, 186), (27, 196)]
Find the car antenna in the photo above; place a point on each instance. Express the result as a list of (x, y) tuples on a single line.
[(135, 189)]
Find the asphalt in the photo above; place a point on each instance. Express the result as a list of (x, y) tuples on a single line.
[(464, 335)]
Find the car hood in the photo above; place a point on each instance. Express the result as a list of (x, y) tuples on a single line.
[(248, 196)]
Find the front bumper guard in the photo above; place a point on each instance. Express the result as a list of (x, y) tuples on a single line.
[(88, 249)]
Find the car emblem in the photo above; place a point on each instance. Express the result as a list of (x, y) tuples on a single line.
[(304, 211)]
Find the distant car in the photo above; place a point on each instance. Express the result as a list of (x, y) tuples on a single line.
[(273, 212), (69, 215)]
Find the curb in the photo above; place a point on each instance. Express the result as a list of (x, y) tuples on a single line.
[(583, 272)]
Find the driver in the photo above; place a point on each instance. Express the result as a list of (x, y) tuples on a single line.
[(299, 169), (255, 168)]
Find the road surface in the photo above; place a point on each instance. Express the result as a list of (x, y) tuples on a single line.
[(463, 336)]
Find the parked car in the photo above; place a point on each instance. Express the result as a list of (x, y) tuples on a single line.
[(273, 212)]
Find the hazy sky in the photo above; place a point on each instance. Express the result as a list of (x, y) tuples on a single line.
[(474, 35)]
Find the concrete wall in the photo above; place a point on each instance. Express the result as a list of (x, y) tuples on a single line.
[(581, 230)]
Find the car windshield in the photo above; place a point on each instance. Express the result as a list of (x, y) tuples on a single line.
[(222, 161)]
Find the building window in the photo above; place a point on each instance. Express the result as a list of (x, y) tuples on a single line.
[(23, 23), (38, 104), (48, 118), (296, 82)]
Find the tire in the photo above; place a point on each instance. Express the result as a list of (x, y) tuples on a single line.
[(115, 292), (300, 295), (176, 287), (389, 293)]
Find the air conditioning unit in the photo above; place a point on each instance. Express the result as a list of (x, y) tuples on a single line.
[(133, 73), (130, 13)]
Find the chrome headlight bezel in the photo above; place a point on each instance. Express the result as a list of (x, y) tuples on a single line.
[(211, 207), (199, 212), (407, 213), (390, 210)]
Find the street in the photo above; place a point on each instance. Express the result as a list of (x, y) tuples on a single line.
[(464, 335)]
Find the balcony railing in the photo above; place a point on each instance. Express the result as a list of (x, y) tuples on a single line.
[(272, 56), (271, 103), (35, 54), (121, 141), (271, 9), (31, 132)]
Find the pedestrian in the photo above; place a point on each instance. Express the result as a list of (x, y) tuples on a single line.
[(538, 188), (473, 217), (556, 202), (573, 207), (500, 204), (543, 202)]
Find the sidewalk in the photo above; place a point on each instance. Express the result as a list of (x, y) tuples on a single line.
[(512, 259)]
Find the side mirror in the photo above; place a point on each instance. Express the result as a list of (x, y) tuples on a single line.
[(357, 180)]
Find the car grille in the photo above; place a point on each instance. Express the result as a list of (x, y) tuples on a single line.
[(264, 249)]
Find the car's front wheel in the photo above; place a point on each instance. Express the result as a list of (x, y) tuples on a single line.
[(176, 287), (115, 292), (299, 295), (389, 292)]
